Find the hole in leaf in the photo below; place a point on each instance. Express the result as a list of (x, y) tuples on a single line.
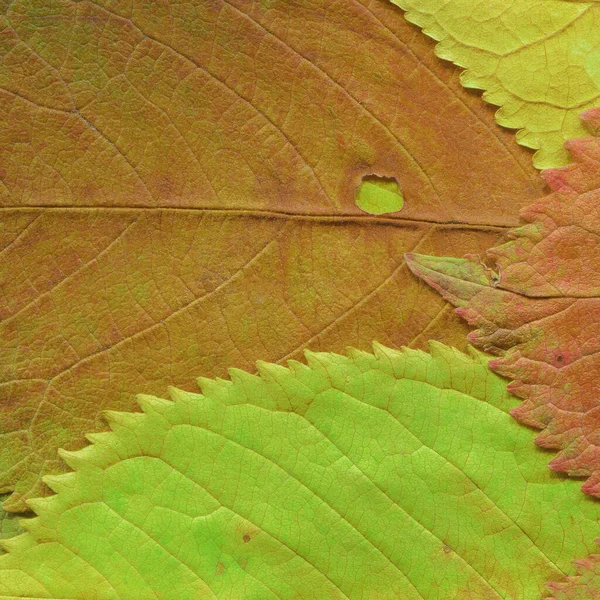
[(379, 195)]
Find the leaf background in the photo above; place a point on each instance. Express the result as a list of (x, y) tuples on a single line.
[(179, 199), (177, 190)]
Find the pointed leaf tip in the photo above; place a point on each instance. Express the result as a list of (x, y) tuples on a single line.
[(591, 118)]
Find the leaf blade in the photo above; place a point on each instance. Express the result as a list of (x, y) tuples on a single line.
[(521, 53), (269, 448), (131, 160), (540, 311)]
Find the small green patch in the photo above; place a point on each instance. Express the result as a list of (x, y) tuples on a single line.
[(379, 195)]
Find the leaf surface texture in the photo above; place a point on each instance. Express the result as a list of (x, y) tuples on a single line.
[(583, 586), (537, 60), (178, 196), (393, 475), (535, 302)]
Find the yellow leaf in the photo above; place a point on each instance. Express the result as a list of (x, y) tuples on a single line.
[(539, 60)]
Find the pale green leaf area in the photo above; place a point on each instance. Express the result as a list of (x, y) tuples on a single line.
[(393, 476), (539, 60), (379, 195)]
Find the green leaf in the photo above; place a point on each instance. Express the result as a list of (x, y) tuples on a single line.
[(539, 60), (379, 195), (9, 523), (398, 475)]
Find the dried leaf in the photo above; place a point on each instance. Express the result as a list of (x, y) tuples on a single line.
[(280, 105)]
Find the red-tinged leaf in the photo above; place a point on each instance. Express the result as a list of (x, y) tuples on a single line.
[(536, 301)]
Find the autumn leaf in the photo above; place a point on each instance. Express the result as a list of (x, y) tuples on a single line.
[(536, 59), (279, 105), (536, 304), (394, 475), (583, 586), (182, 193)]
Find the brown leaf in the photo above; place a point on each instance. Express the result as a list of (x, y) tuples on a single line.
[(178, 186)]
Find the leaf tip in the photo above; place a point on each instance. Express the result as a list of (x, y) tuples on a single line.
[(75, 460), (57, 482), (151, 404), (16, 543)]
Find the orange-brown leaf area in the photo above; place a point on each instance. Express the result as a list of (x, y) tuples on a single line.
[(537, 305), (276, 105), (178, 198)]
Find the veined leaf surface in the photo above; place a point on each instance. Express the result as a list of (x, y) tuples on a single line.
[(179, 197), (538, 60), (583, 586), (536, 303), (9, 523), (279, 105), (394, 475)]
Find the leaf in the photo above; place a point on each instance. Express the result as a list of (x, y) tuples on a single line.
[(238, 104), (394, 475), (9, 524), (584, 586), (163, 295), (379, 196), (538, 306), (536, 59), (179, 193)]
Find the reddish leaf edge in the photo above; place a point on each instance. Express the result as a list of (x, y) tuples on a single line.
[(583, 586), (460, 280)]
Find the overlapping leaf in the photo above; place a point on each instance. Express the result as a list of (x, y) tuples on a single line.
[(178, 193), (9, 524), (243, 104), (583, 586), (535, 302), (539, 60), (394, 475), (538, 305)]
